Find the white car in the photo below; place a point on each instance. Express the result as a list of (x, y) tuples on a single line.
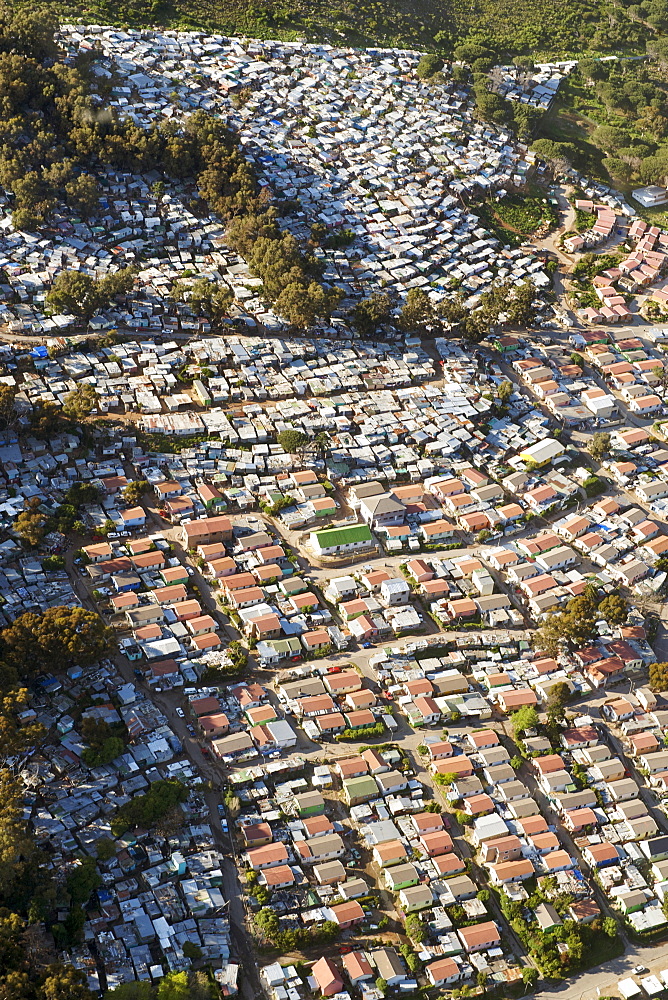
[(181, 714)]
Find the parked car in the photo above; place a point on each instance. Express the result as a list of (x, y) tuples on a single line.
[(181, 714)]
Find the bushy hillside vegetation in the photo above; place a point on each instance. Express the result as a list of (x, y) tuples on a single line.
[(524, 27)]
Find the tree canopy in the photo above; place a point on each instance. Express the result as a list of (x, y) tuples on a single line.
[(81, 402), (77, 293), (31, 524), (212, 299), (523, 719), (658, 676), (371, 313), (418, 314), (576, 624), (292, 441), (428, 65), (135, 490), (599, 446), (54, 639), (146, 810)]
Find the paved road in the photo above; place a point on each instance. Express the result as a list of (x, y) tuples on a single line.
[(606, 977)]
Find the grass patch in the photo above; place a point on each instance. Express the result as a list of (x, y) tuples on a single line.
[(584, 220), (525, 213)]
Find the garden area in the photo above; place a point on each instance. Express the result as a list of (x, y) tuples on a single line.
[(586, 945), (587, 268), (525, 214)]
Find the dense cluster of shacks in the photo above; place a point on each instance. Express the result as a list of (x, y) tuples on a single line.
[(536, 87), (393, 176), (459, 472), (158, 892), (421, 457)]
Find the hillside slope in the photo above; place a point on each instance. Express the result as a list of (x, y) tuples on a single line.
[(524, 26)]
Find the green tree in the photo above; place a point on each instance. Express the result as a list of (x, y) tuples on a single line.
[(292, 441), (244, 230), (12, 928), (571, 628), (529, 976), (30, 33), (526, 120), (185, 986), (559, 155), (446, 779), (53, 563), (54, 639), (105, 848), (302, 304), (617, 168), (523, 719), (381, 985), (577, 359), (614, 609), (557, 700), (658, 676), (82, 882), (31, 524), (148, 809), (488, 105), (192, 950), (371, 313), (609, 926), (81, 402), (415, 928), (520, 310), (82, 494), (15, 737), (658, 48), (599, 446), (135, 490), (505, 390), (417, 314), (8, 414), (610, 138), (212, 299), (428, 65), (452, 311), (109, 750), (82, 194), (77, 293)]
